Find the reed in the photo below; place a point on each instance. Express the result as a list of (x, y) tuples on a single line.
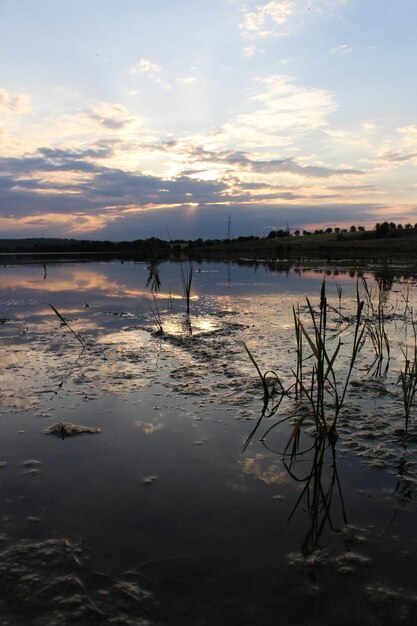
[(170, 299), (299, 351), (324, 391), (186, 326), (406, 299), (264, 377), (187, 279), (376, 329), (153, 277), (156, 315), (339, 290), (408, 377), (272, 387), (65, 323)]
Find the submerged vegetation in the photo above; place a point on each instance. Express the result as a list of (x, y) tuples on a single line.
[(327, 352)]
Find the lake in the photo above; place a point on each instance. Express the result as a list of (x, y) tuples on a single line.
[(195, 499)]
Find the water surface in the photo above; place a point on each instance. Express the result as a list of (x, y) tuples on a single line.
[(161, 518)]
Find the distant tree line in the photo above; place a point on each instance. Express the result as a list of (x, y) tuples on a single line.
[(141, 247), (154, 247), (381, 230)]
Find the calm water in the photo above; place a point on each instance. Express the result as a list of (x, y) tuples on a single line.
[(161, 518)]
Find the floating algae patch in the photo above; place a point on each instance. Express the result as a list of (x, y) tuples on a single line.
[(49, 583), (394, 605), (377, 434), (66, 429)]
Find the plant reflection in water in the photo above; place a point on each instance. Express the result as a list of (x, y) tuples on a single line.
[(321, 486), (321, 494)]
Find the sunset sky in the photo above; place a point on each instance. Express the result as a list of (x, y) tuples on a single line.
[(138, 118)]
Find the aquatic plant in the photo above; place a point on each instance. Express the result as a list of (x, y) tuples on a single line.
[(375, 328), (186, 326), (273, 395), (408, 377), (299, 351), (170, 305), (156, 315), (324, 391), (65, 323), (187, 279), (323, 388), (339, 290), (406, 299), (153, 278), (268, 376)]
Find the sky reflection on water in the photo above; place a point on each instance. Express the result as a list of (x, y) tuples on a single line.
[(165, 482)]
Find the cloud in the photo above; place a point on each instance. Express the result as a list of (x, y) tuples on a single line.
[(267, 19), (110, 116), (291, 167), (187, 80), (210, 221), (13, 102), (284, 112), (341, 50), (249, 51), (59, 181), (408, 136), (100, 151), (145, 66), (242, 161), (254, 219), (54, 187), (409, 130), (353, 187), (152, 70), (276, 18), (397, 157), (64, 192)]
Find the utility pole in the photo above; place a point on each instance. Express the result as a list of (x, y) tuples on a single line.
[(228, 228)]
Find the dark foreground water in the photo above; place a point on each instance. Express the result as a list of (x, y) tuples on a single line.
[(161, 518)]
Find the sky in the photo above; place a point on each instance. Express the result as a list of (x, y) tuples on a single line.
[(139, 118)]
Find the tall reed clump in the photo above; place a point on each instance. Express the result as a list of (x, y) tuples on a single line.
[(187, 279), (324, 390), (375, 328), (408, 377)]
